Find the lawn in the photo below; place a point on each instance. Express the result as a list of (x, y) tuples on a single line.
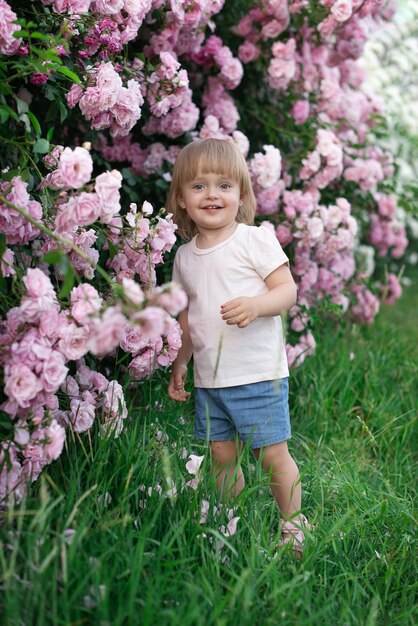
[(100, 541)]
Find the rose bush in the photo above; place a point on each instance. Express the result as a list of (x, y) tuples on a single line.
[(97, 98)]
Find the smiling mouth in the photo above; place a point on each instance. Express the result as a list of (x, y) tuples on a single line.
[(211, 207)]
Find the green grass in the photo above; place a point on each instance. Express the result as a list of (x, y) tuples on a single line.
[(353, 424)]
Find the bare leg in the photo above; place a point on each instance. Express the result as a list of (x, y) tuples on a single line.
[(285, 481), (229, 476)]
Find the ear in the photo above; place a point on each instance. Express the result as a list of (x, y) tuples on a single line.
[(181, 202)]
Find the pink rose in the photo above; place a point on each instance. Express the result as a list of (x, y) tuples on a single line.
[(8, 43), (21, 384), (342, 10), (6, 263), (74, 95), (132, 291), (300, 111), (151, 321), (108, 7), (54, 371), (98, 382), (127, 108), (107, 331), (38, 284), (85, 302), (284, 234), (133, 340), (74, 342), (108, 82), (75, 167), (82, 415), (107, 187), (55, 435), (70, 387), (114, 400), (173, 299), (232, 73), (248, 52), (86, 208)]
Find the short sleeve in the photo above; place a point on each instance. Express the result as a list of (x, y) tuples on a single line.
[(176, 269), (265, 251)]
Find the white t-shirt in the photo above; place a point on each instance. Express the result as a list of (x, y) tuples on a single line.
[(225, 356)]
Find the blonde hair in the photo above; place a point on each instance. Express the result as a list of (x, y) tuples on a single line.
[(204, 156)]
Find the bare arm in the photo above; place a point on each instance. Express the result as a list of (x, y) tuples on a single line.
[(179, 368), (281, 296)]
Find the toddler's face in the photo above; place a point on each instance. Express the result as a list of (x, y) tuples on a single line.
[(212, 201)]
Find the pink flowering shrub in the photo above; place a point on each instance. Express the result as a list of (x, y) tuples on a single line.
[(95, 109), (45, 338)]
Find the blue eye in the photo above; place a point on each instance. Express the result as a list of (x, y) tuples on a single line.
[(198, 186), (225, 186)]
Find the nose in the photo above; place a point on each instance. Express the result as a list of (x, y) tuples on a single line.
[(212, 192)]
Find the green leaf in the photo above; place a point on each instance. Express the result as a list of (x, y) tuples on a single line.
[(5, 90), (3, 245), (68, 283), (63, 110), (22, 106), (35, 124), (69, 74), (50, 133), (41, 146), (40, 36), (4, 116), (112, 248), (10, 111), (24, 118), (52, 257)]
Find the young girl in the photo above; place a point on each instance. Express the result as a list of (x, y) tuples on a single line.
[(238, 282)]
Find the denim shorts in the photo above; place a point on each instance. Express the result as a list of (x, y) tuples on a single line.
[(258, 413)]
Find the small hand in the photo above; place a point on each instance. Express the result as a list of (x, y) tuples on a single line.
[(240, 311), (176, 389)]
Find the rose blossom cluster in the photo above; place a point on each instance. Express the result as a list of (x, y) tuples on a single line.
[(38, 339), (106, 101), (154, 348), (392, 290), (77, 7), (183, 27), (323, 240), (143, 161), (219, 103), (153, 336), (75, 211), (387, 233), (282, 67), (117, 22), (265, 171), (344, 20), (325, 163), (166, 85), (91, 396), (215, 53), (16, 228), (169, 97), (266, 20), (9, 44), (177, 121), (142, 243), (366, 304)]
